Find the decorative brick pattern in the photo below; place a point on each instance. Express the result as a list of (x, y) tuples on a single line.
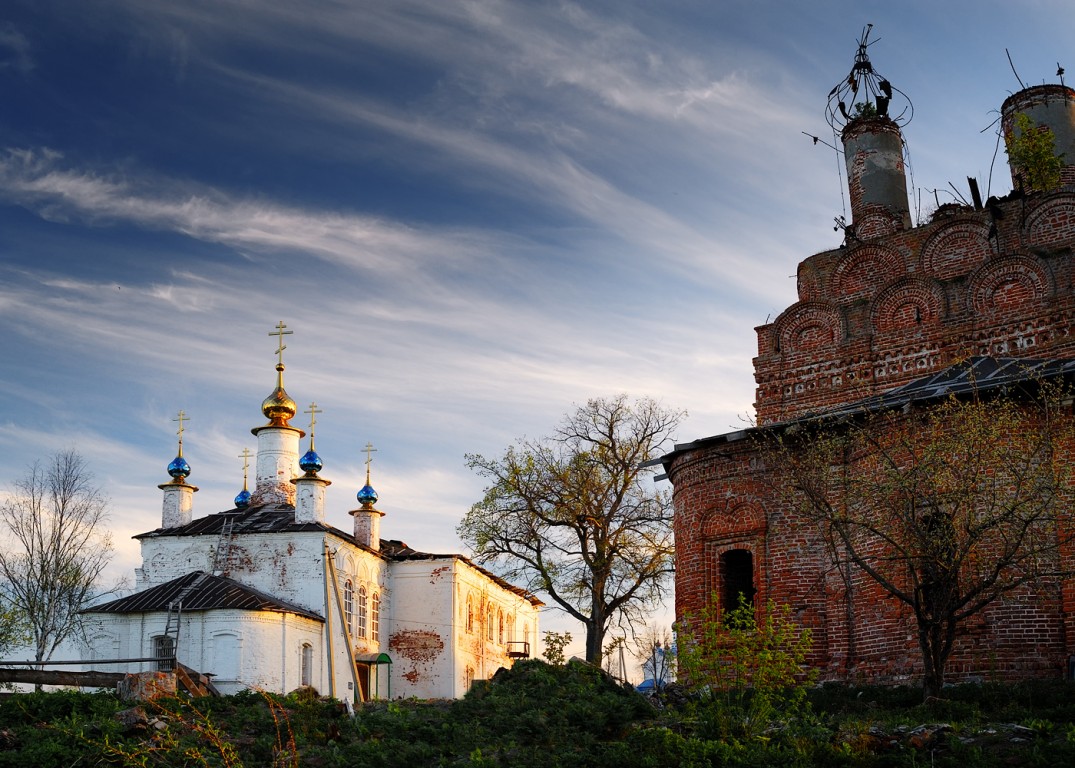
[(893, 305)]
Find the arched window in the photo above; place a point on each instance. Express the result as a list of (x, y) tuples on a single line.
[(736, 579), (500, 627), (349, 605), (470, 614), (307, 664), (511, 627), (226, 655), (361, 612), (164, 652), (375, 618), (490, 623)]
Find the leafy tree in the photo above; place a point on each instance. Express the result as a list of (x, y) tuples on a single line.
[(555, 643), (1032, 149), (948, 507), (576, 516), (54, 548)]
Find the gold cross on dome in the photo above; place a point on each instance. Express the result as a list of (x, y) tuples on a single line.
[(245, 456), (369, 460), (280, 333), (181, 418), (313, 410)]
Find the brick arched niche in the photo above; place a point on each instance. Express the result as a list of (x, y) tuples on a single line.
[(1009, 284), (734, 546), (907, 304), (957, 248), (1053, 221), (808, 326), (862, 271)]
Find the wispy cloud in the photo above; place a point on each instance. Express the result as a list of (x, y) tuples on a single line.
[(14, 50)]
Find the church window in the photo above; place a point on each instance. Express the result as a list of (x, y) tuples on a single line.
[(737, 579), (226, 652), (375, 617), (164, 652), (307, 664), (361, 612), (511, 627), (500, 627), (490, 622), (470, 614), (468, 678), (349, 605)]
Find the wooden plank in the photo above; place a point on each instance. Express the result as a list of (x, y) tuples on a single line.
[(91, 679)]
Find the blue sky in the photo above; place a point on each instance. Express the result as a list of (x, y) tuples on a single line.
[(472, 214)]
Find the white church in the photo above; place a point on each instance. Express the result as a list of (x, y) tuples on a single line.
[(267, 595)]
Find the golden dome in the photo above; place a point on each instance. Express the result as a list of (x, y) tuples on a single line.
[(278, 407)]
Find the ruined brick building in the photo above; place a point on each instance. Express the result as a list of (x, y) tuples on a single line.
[(896, 309), (270, 595)]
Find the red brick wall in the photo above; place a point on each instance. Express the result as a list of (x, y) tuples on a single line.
[(872, 316), (878, 314), (725, 498)]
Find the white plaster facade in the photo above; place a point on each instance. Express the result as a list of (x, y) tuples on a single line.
[(263, 607)]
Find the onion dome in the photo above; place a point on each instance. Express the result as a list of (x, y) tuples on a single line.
[(243, 499), (367, 497), (278, 407), (179, 469), (311, 462)]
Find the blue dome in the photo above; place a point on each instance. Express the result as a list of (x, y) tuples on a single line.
[(243, 499), (367, 495), (310, 462), (179, 468)]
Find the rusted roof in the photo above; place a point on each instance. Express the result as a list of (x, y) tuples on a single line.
[(200, 591), (976, 374), (280, 518), (262, 518), (397, 550)]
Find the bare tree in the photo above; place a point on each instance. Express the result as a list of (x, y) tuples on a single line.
[(577, 516), (55, 548), (655, 651), (948, 506)]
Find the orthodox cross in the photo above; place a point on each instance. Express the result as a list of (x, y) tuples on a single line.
[(181, 418), (313, 410), (369, 460), (245, 456), (280, 333)]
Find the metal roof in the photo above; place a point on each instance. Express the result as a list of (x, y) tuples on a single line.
[(261, 518), (200, 591), (280, 518), (975, 374)]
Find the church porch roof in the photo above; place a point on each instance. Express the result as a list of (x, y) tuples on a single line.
[(201, 591)]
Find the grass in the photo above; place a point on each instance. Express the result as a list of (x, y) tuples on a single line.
[(537, 715)]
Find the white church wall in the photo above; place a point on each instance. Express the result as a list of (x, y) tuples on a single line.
[(240, 649), (446, 629)]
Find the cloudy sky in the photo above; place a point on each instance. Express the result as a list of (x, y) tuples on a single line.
[(473, 214)]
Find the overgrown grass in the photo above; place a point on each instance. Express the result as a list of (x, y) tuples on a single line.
[(536, 715)]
